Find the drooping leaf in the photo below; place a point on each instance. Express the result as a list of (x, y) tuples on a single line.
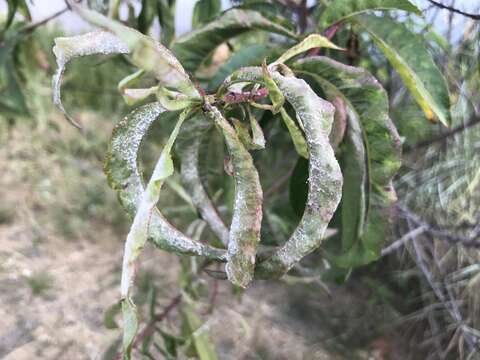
[(295, 133), (204, 11), (325, 178), (339, 10), (310, 42), (244, 234), (124, 176), (407, 52), (204, 347), (371, 136), (68, 48), (145, 52), (188, 149), (166, 18), (193, 48), (12, 100)]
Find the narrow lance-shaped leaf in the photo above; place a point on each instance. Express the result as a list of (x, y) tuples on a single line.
[(204, 11), (188, 148), (339, 10), (193, 48), (367, 193), (295, 133), (310, 42), (325, 177), (247, 213), (123, 175), (274, 92), (408, 54), (68, 48), (130, 326), (166, 18), (146, 53)]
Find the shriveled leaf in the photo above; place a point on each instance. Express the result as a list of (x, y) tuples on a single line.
[(138, 234), (407, 52), (372, 155), (68, 48), (193, 48), (124, 176), (244, 234), (188, 148), (145, 52), (310, 42), (339, 10), (325, 178), (204, 11), (295, 133)]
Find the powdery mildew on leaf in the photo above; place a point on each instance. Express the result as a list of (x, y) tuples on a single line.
[(244, 234), (188, 147), (124, 176), (325, 177), (68, 48)]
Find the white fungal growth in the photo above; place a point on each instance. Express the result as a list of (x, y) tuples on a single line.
[(68, 48)]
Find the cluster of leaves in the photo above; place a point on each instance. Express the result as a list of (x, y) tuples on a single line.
[(241, 99)]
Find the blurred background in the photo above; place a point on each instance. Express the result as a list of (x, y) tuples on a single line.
[(62, 229)]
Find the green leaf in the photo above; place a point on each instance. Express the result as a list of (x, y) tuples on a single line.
[(204, 11), (274, 92), (310, 42), (246, 56), (13, 7), (296, 134), (109, 316), (147, 15), (123, 175), (193, 48), (12, 100), (130, 326), (145, 52), (339, 10), (204, 346), (166, 19), (372, 155), (407, 52), (244, 234)]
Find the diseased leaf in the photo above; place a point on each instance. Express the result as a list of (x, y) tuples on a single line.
[(310, 42), (339, 10), (244, 234), (145, 52), (68, 48), (407, 52), (325, 177), (193, 48), (258, 139), (372, 155), (124, 176), (296, 134), (204, 11), (188, 148)]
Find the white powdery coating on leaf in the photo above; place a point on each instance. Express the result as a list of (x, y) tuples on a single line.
[(68, 48), (124, 147)]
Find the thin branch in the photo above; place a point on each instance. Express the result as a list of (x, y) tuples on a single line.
[(411, 235), (454, 10), (475, 120), (33, 26)]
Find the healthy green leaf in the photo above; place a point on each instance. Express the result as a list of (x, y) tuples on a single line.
[(124, 176), (188, 148), (204, 346), (339, 10), (371, 155), (296, 134), (13, 7), (274, 92), (204, 11), (193, 48), (310, 42), (244, 234), (407, 52), (166, 18)]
